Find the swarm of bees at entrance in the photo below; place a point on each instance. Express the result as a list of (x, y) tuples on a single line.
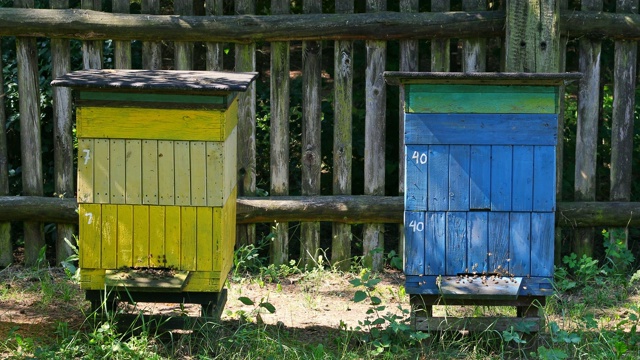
[(499, 275)]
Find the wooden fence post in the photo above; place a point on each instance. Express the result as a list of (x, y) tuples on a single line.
[(374, 142), (122, 52), (62, 133), (6, 247), (92, 49), (183, 51), (311, 135), (474, 57), (587, 131), (562, 67), (151, 50), (626, 57), (408, 62), (440, 48), (279, 133), (342, 138), (214, 50), (245, 60), (30, 144)]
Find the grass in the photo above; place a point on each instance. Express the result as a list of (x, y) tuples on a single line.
[(593, 315)]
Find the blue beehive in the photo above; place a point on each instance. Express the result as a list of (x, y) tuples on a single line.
[(480, 183)]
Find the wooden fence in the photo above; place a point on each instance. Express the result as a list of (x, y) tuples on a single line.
[(360, 40)]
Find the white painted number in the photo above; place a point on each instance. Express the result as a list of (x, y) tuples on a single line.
[(416, 225), (420, 158), (87, 156), (90, 217)]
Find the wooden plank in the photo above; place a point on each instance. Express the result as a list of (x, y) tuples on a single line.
[(6, 247), (542, 244), (501, 173), (480, 178), (214, 50), (230, 173), (587, 128), (101, 172), (150, 172), (498, 242), (520, 249), (86, 161), (128, 98), (188, 238), (481, 129), (435, 245), (245, 60), (158, 231), (523, 173), (478, 240), (168, 124), (438, 178), (311, 130), (133, 170), (279, 136), (544, 195), (342, 137), (477, 324), (456, 243), (151, 50), (203, 249), (219, 240), (173, 237), (166, 173), (182, 174), (414, 223), (415, 198), (30, 142), (474, 50), (63, 147), (109, 236), (215, 163), (485, 99), (183, 51), (90, 236), (91, 49), (117, 171), (141, 238), (440, 48), (459, 163), (198, 157), (125, 236), (122, 48)]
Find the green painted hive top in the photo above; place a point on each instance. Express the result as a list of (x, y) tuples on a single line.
[(163, 81), (459, 78)]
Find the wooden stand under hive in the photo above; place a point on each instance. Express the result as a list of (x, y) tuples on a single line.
[(480, 189), (156, 183)]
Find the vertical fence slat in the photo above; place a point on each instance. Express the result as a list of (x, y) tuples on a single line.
[(151, 50), (6, 248), (408, 62), (587, 131), (311, 127), (183, 51), (122, 51), (626, 57), (342, 138), (62, 134), (214, 50), (374, 143), (92, 49), (279, 133), (474, 58), (245, 60), (440, 48), (562, 67), (30, 145)]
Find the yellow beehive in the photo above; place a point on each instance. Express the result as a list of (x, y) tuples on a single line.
[(156, 177)]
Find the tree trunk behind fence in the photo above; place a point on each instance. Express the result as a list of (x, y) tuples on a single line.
[(311, 135), (440, 48), (6, 248), (245, 60), (408, 62), (63, 138), (587, 131), (30, 145), (214, 50), (151, 51), (374, 141), (342, 138), (279, 133), (626, 57)]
